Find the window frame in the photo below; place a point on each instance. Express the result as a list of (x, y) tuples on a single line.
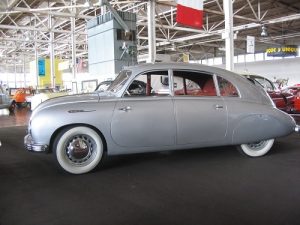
[(171, 92), (214, 78)]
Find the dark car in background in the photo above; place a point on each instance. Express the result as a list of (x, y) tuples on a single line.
[(283, 99)]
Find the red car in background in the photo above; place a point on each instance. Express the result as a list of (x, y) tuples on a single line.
[(283, 99), (295, 91)]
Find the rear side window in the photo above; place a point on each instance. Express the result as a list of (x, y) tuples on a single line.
[(190, 83), (227, 89)]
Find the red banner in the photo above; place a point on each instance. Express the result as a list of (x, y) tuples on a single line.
[(190, 13)]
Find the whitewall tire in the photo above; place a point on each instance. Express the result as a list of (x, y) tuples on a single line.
[(78, 149), (256, 149)]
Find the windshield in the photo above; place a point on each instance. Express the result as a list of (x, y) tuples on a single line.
[(265, 83), (120, 80)]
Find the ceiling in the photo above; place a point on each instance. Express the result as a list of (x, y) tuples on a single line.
[(25, 28)]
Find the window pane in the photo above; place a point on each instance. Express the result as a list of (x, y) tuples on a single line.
[(235, 59), (268, 57), (149, 84), (267, 85), (218, 61), (250, 58), (259, 56), (227, 89), (204, 61), (241, 58), (210, 61), (189, 83)]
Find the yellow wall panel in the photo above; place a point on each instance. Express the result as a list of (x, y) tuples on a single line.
[(45, 81)]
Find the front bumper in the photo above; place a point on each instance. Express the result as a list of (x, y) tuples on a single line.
[(33, 147)]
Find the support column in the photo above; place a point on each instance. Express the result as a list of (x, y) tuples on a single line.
[(15, 67), (151, 31), (24, 69), (51, 51), (228, 35), (36, 58), (73, 44)]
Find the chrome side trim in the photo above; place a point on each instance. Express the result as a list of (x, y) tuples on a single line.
[(80, 110)]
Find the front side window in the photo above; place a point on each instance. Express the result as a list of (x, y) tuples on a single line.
[(149, 84), (189, 83)]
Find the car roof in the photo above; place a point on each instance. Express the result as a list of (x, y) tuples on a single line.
[(186, 66)]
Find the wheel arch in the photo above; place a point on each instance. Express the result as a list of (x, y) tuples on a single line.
[(57, 131)]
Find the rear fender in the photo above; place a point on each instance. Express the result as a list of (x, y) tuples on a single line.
[(258, 127)]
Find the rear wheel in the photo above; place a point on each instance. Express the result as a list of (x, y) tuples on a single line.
[(256, 149), (78, 149)]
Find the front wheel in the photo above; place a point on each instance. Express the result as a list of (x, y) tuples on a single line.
[(256, 149), (78, 149)]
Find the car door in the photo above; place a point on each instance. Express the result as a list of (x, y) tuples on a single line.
[(144, 116), (201, 113)]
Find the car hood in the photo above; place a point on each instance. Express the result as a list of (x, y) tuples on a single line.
[(71, 99)]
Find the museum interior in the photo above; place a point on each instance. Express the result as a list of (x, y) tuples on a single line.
[(159, 112)]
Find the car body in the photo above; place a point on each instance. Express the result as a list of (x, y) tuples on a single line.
[(295, 91), (283, 99), (42, 95), (226, 109), (5, 100)]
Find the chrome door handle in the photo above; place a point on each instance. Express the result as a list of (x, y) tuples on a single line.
[(219, 107), (125, 109)]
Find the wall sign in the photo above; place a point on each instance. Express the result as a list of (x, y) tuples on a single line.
[(250, 44), (42, 69), (287, 50)]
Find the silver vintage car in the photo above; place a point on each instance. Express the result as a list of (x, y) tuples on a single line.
[(157, 107)]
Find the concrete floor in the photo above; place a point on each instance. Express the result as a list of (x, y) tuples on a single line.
[(206, 186)]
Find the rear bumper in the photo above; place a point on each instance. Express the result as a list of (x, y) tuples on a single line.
[(34, 147)]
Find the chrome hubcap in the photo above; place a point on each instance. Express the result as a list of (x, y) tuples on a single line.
[(80, 148), (257, 145)]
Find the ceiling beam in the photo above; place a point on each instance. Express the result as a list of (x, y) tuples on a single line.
[(30, 28), (45, 11)]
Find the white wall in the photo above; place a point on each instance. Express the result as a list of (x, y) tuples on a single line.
[(16, 79), (273, 69)]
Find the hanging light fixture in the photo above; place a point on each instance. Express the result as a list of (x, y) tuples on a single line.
[(88, 4), (264, 32)]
